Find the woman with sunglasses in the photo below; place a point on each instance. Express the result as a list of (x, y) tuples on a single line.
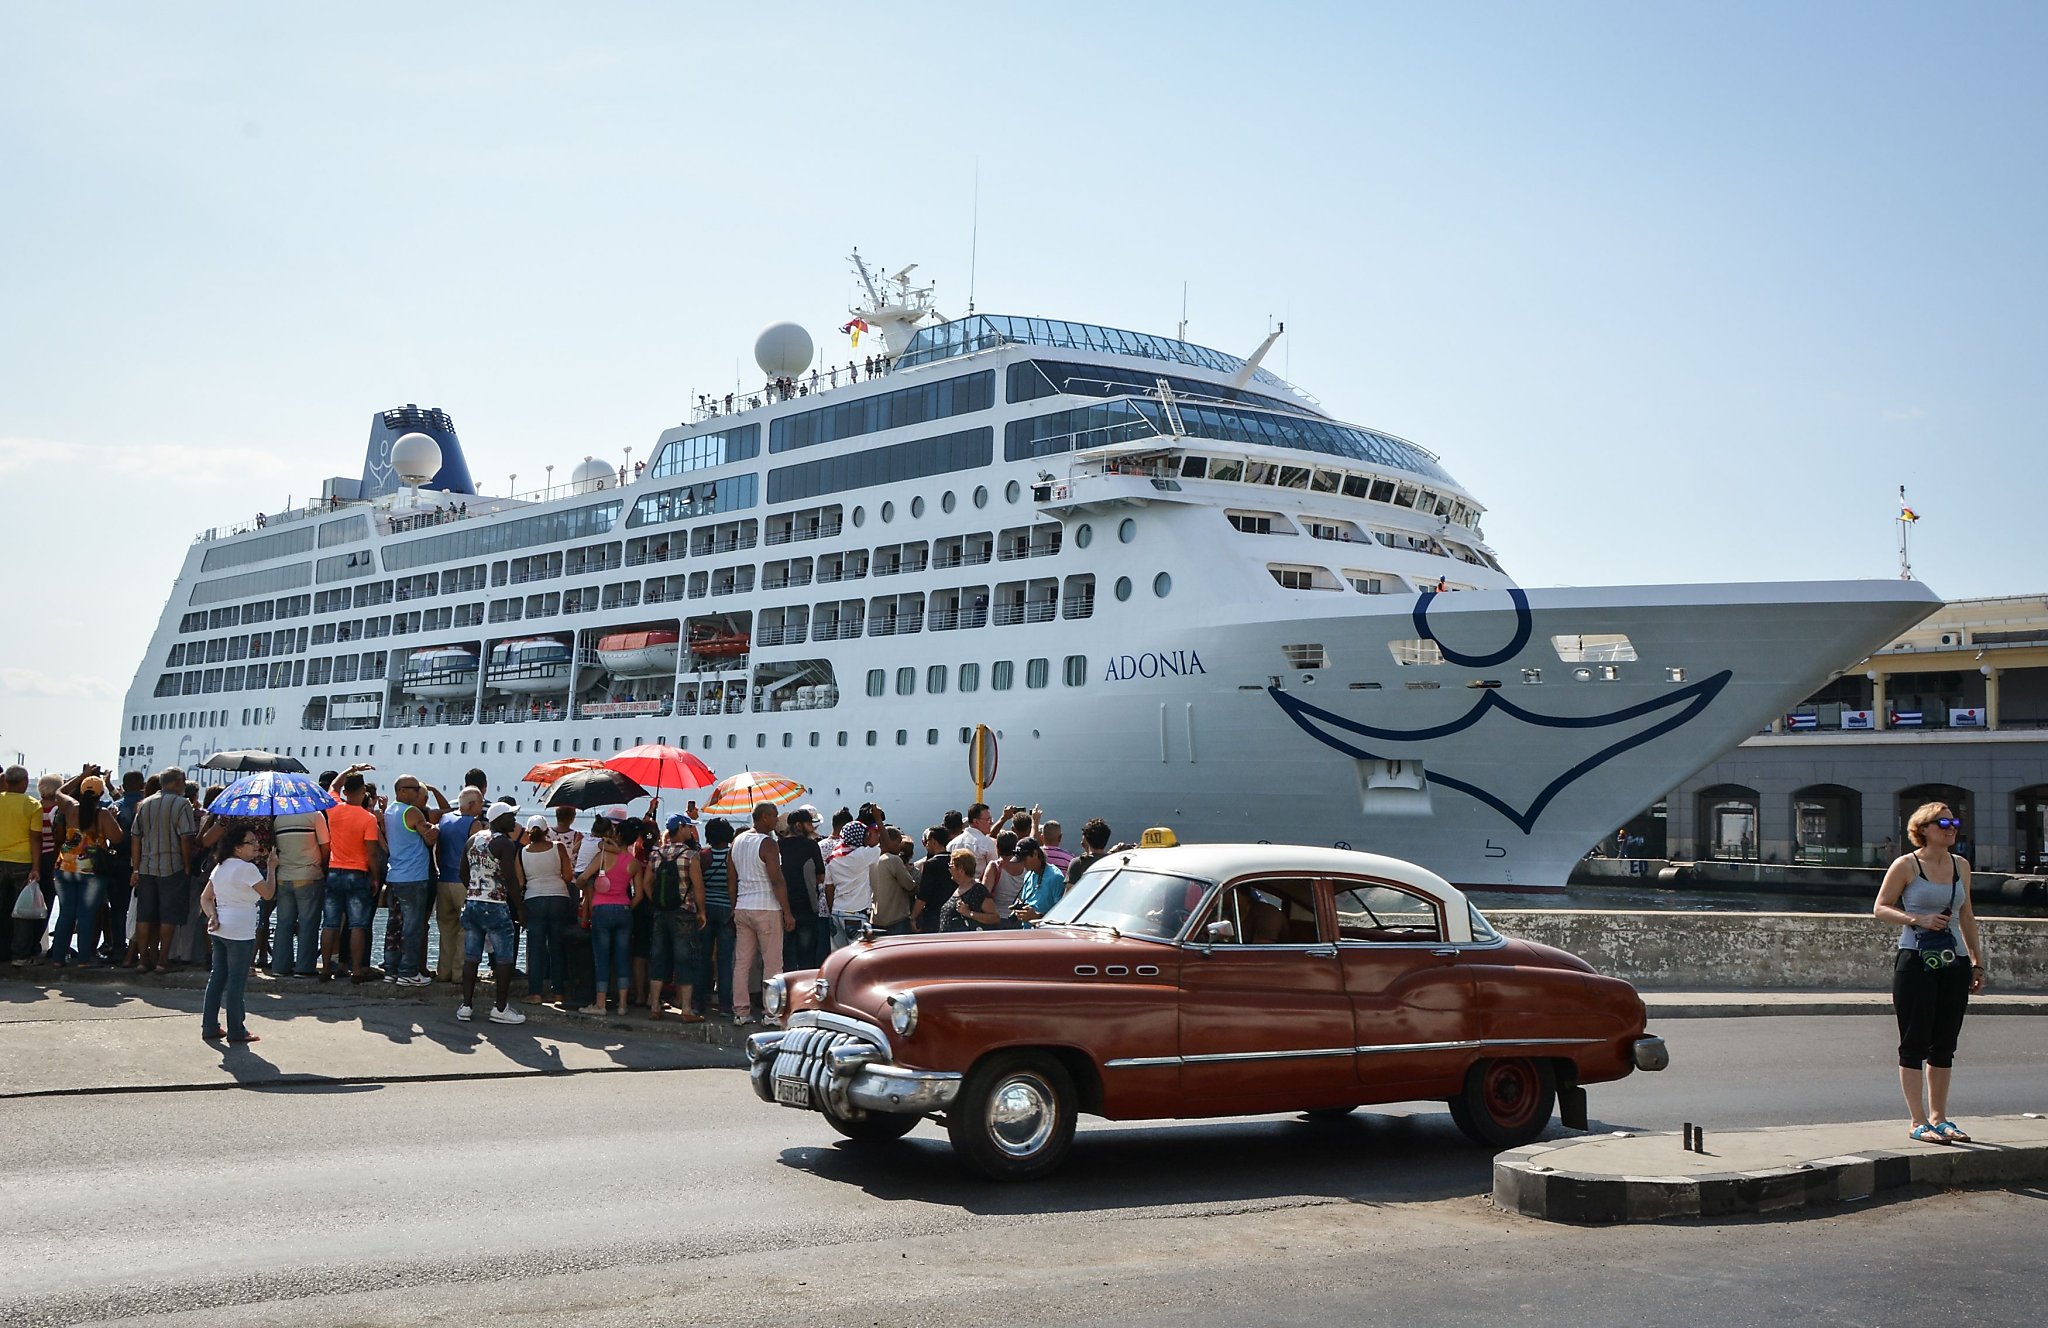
[(1939, 963)]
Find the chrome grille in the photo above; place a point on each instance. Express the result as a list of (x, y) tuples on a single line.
[(805, 1053)]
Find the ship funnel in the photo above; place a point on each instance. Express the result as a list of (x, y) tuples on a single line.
[(385, 459)]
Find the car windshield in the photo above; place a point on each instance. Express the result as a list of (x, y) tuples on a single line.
[(1139, 903)]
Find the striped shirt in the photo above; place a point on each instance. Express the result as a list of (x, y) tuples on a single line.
[(160, 822)]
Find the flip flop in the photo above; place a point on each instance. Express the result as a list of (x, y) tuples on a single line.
[(1951, 1132), (1927, 1134)]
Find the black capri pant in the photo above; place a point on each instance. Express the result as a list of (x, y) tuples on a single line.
[(1930, 1005)]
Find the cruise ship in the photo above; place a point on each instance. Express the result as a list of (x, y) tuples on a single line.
[(1175, 587)]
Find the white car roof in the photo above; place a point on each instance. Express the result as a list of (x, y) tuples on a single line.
[(1222, 862)]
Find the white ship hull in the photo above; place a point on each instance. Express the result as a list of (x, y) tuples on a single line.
[(1194, 640)]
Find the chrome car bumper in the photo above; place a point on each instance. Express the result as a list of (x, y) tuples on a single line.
[(1651, 1054), (848, 1075)]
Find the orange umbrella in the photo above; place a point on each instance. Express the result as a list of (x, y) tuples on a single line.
[(737, 795), (547, 772)]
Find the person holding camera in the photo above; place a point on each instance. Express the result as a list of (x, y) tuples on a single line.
[(1940, 962)]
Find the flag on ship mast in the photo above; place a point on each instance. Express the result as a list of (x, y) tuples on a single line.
[(855, 326), (1906, 518)]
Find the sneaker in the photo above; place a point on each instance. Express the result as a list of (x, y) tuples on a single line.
[(416, 980), (742, 1020), (507, 1016), (390, 979), (464, 1013)]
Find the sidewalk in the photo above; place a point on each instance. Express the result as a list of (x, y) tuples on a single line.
[(1621, 1177), (107, 1031), (1736, 1004)]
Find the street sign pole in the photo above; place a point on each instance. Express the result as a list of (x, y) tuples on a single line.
[(981, 760)]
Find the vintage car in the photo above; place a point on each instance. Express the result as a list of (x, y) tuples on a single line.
[(1200, 980)]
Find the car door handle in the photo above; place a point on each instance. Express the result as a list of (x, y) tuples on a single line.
[(1322, 951), (1446, 951)]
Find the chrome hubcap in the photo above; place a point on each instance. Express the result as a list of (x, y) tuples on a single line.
[(1021, 1115)]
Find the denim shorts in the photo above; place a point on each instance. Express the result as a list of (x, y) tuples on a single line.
[(162, 900), (485, 915), (349, 901)]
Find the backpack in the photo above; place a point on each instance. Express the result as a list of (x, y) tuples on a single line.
[(669, 894)]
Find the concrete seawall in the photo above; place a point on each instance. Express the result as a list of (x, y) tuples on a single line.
[(1762, 951)]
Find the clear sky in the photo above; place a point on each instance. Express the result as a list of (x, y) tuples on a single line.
[(1679, 292)]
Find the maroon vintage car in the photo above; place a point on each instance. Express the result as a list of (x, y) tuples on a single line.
[(1200, 980)]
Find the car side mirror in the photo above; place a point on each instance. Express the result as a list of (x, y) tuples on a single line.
[(1220, 931)]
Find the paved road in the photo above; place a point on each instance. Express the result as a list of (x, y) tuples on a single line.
[(674, 1196)]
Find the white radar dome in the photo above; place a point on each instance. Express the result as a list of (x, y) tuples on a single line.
[(783, 350), (590, 473), (415, 458)]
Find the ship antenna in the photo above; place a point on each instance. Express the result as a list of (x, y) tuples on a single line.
[(974, 236), (1907, 516), (1182, 333)]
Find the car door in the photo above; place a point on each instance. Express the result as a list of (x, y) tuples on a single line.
[(1265, 1022), (1412, 1008)]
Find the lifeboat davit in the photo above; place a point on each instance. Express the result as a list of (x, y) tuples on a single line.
[(529, 664), (651, 654), (440, 671)]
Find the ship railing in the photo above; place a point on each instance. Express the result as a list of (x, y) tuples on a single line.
[(1036, 549), (943, 620), (814, 384), (1080, 606)]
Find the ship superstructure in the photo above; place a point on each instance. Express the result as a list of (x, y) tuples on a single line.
[(1176, 587)]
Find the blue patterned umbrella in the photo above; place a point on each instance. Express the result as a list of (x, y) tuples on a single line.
[(271, 793)]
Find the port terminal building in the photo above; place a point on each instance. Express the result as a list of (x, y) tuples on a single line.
[(1955, 710)]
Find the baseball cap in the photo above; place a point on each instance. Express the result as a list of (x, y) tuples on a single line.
[(1025, 848), (613, 813), (536, 822), (677, 821), (501, 808)]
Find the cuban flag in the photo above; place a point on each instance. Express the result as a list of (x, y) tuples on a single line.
[(1906, 719), (1796, 722)]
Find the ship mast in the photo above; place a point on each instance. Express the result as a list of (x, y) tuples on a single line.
[(893, 307)]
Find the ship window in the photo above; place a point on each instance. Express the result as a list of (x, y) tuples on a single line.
[(902, 737), (981, 495), (935, 679), (888, 513), (1076, 667), (1251, 523), (860, 514), (1123, 587), (789, 739), (1675, 674), (931, 737), (1594, 648), (1383, 491), (1002, 675), (814, 737), (878, 681), (842, 737), (1037, 672), (917, 505), (576, 745), (1306, 656), (871, 737), (906, 681), (1194, 467), (1532, 677), (732, 740), (1084, 535), (1416, 652), (1162, 585), (1127, 530), (946, 501), (970, 677), (1294, 477), (1011, 491)]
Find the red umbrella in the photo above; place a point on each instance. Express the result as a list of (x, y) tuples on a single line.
[(547, 772), (658, 767)]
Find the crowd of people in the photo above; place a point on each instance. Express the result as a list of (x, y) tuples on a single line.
[(680, 915)]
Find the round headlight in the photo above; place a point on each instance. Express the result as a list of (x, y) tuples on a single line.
[(774, 994), (903, 1014)]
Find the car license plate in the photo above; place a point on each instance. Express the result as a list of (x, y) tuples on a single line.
[(792, 1092)]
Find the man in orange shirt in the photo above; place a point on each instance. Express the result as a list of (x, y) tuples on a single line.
[(354, 842)]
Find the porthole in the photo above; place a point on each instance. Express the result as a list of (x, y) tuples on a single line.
[(1127, 529), (1162, 585), (888, 513), (789, 739), (902, 737), (1084, 535), (1012, 491), (860, 516), (917, 505), (946, 501), (931, 737), (981, 495), (1123, 587)]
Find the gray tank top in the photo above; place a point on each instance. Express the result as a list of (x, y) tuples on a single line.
[(1924, 896)]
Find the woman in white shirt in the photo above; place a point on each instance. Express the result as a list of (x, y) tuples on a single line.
[(233, 895), (548, 909)]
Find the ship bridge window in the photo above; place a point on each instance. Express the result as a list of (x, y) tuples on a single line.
[(705, 450), (1594, 648), (283, 544), (731, 494), (475, 539), (1413, 652)]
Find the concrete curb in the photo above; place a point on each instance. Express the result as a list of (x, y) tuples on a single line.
[(1537, 1182), (716, 1031), (1675, 1006)]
